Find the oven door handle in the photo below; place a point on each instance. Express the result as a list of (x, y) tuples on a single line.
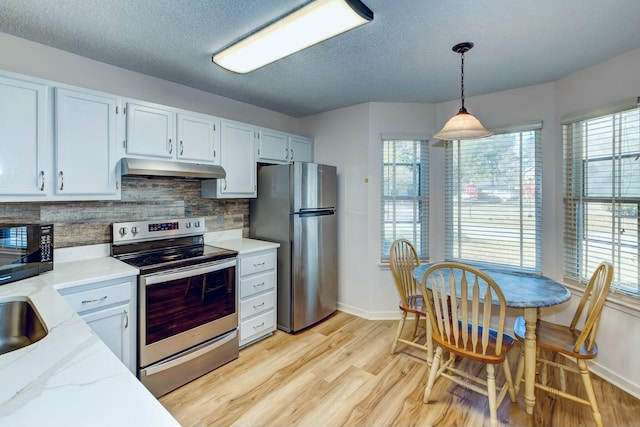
[(167, 276), (151, 370)]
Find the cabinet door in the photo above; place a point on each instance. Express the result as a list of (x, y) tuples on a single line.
[(273, 146), (300, 149), (113, 327), (85, 144), (238, 160), (25, 155), (150, 130), (196, 138)]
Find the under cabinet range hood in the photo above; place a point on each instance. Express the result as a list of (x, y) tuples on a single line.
[(166, 168)]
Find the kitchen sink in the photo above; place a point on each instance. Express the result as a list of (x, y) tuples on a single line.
[(20, 325)]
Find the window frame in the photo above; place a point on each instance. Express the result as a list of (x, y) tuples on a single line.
[(419, 235), (453, 248), (577, 265)]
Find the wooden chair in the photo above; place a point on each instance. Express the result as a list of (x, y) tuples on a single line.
[(579, 344), (404, 259), (469, 324)]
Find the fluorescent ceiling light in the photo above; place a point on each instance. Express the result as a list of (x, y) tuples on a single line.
[(311, 24)]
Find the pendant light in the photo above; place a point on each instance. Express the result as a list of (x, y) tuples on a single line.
[(463, 125)]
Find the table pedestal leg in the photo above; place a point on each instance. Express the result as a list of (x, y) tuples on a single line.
[(530, 318)]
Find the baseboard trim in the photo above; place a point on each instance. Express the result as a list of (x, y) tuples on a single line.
[(378, 315), (615, 379)]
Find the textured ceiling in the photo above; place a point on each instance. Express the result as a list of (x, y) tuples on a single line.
[(403, 55)]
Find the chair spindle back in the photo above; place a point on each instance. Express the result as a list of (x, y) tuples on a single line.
[(595, 295), (403, 258), (463, 295)]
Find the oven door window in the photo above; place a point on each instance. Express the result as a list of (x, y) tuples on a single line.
[(178, 305)]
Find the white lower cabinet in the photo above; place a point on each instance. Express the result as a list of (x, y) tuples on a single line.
[(109, 309), (257, 295)]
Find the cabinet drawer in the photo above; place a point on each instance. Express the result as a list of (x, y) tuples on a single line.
[(259, 325), (99, 297), (255, 284), (257, 304), (257, 263)]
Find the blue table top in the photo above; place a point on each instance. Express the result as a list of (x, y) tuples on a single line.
[(520, 289)]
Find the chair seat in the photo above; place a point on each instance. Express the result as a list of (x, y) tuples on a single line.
[(490, 357), (415, 304), (555, 337)]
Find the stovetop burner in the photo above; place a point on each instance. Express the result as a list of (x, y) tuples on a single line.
[(161, 245)]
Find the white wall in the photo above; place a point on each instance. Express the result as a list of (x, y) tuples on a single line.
[(367, 289), (33, 59)]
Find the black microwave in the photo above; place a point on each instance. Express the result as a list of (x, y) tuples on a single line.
[(25, 250)]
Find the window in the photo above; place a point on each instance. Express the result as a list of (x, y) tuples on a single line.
[(493, 199), (602, 194), (405, 195)]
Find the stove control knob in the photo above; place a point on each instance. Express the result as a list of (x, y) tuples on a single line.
[(135, 230), (188, 224), (123, 231)]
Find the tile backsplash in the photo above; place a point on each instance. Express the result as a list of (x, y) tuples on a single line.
[(88, 223)]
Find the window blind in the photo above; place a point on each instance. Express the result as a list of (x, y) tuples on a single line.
[(493, 199), (602, 194), (404, 195)]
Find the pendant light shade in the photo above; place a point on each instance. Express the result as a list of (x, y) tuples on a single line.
[(463, 125)]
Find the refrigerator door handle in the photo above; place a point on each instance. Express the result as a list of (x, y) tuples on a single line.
[(311, 212)]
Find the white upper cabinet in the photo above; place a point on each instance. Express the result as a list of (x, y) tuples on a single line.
[(150, 130), (300, 149), (85, 145), (279, 147), (197, 138), (157, 131), (25, 154), (273, 146), (237, 157)]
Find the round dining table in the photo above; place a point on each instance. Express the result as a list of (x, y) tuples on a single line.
[(527, 291)]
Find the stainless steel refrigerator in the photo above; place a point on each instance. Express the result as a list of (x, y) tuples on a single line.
[(296, 207)]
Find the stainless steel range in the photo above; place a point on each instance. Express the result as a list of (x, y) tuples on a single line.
[(187, 300)]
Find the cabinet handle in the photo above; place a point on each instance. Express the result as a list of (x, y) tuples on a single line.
[(89, 301), (259, 306), (181, 148), (286, 154), (291, 151), (170, 146), (258, 265), (258, 285), (41, 180), (225, 185), (126, 318), (259, 326), (61, 176)]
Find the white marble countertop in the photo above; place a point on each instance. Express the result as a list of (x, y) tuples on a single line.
[(234, 241), (70, 377)]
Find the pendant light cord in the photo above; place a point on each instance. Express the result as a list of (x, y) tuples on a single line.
[(462, 82)]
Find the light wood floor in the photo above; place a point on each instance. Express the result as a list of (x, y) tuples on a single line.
[(341, 373)]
